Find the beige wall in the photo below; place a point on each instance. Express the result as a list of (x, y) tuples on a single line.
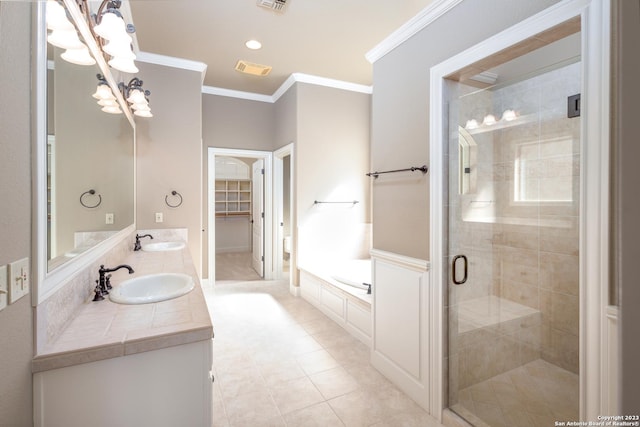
[(626, 211), (231, 123), (332, 158), (16, 325), (400, 115), (93, 150), (169, 152)]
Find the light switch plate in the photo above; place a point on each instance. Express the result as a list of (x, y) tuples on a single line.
[(108, 218), (3, 287), (19, 279), (159, 217)]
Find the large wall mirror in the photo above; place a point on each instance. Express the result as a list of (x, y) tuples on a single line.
[(85, 176)]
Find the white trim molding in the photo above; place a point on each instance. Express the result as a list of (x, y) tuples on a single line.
[(170, 61), (595, 326), (284, 87), (429, 14)]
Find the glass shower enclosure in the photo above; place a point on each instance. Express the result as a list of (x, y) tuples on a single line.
[(513, 248)]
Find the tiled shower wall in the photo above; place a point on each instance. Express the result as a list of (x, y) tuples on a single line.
[(519, 222)]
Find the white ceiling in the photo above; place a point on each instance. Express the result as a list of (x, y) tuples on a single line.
[(324, 38)]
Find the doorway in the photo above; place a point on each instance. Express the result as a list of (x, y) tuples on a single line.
[(284, 241), (239, 214)]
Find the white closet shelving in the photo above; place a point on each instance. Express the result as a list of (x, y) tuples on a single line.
[(233, 197)]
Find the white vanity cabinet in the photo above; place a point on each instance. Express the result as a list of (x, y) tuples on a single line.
[(168, 387)]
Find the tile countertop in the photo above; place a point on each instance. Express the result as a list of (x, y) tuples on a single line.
[(104, 329)]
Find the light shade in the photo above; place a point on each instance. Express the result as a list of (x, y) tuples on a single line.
[(509, 115), (57, 17), (471, 124), (120, 46), (143, 113), (111, 26), (489, 120), (108, 103), (136, 97), (65, 39), (78, 56), (124, 65), (143, 106), (112, 109), (103, 91)]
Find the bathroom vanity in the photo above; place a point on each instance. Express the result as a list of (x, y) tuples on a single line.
[(131, 365)]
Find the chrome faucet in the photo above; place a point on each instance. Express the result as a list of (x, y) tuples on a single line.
[(137, 246), (103, 284)]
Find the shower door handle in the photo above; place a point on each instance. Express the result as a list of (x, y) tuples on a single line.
[(454, 264)]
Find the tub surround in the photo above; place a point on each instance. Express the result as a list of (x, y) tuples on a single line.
[(104, 329)]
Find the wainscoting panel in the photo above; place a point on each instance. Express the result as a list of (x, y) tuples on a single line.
[(401, 323)]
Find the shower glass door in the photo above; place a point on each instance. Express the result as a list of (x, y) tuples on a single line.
[(513, 220)]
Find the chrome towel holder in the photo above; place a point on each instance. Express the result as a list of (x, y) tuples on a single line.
[(90, 192)]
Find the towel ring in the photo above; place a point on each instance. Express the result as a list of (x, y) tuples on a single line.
[(91, 192), (173, 193)]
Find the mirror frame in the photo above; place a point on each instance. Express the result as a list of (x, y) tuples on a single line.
[(45, 283)]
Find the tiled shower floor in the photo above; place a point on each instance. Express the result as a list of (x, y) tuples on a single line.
[(278, 361), (534, 395)]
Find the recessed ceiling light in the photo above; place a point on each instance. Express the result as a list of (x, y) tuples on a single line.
[(253, 44)]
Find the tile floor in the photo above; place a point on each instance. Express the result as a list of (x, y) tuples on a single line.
[(278, 361), (534, 395)]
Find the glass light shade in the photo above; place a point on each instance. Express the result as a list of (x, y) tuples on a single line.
[(136, 97), (141, 107), (103, 91), (57, 17), (78, 56), (489, 120), (142, 113), (110, 26), (509, 115), (471, 124), (65, 39), (108, 103), (121, 47), (112, 109), (124, 65)]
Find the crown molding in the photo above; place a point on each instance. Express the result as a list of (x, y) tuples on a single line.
[(429, 14), (284, 87), (170, 61), (211, 90)]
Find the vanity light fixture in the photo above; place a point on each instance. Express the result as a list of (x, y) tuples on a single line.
[(106, 98), (112, 34), (136, 96), (471, 124)]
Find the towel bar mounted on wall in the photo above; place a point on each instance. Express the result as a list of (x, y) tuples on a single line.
[(352, 202), (91, 192), (424, 169), (176, 194)]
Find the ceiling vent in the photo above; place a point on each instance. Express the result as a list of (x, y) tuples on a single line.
[(253, 69), (275, 5)]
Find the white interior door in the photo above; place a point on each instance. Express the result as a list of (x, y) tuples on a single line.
[(257, 216)]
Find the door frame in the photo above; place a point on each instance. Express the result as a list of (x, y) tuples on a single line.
[(594, 193), (267, 156), (278, 177)]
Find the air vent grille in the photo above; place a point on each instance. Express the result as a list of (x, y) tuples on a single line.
[(275, 5), (253, 69)]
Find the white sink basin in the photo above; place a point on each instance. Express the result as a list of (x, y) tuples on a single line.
[(163, 246), (152, 288)]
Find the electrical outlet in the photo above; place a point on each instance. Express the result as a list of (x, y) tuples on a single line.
[(159, 217), (108, 218), (19, 278), (3, 287)]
